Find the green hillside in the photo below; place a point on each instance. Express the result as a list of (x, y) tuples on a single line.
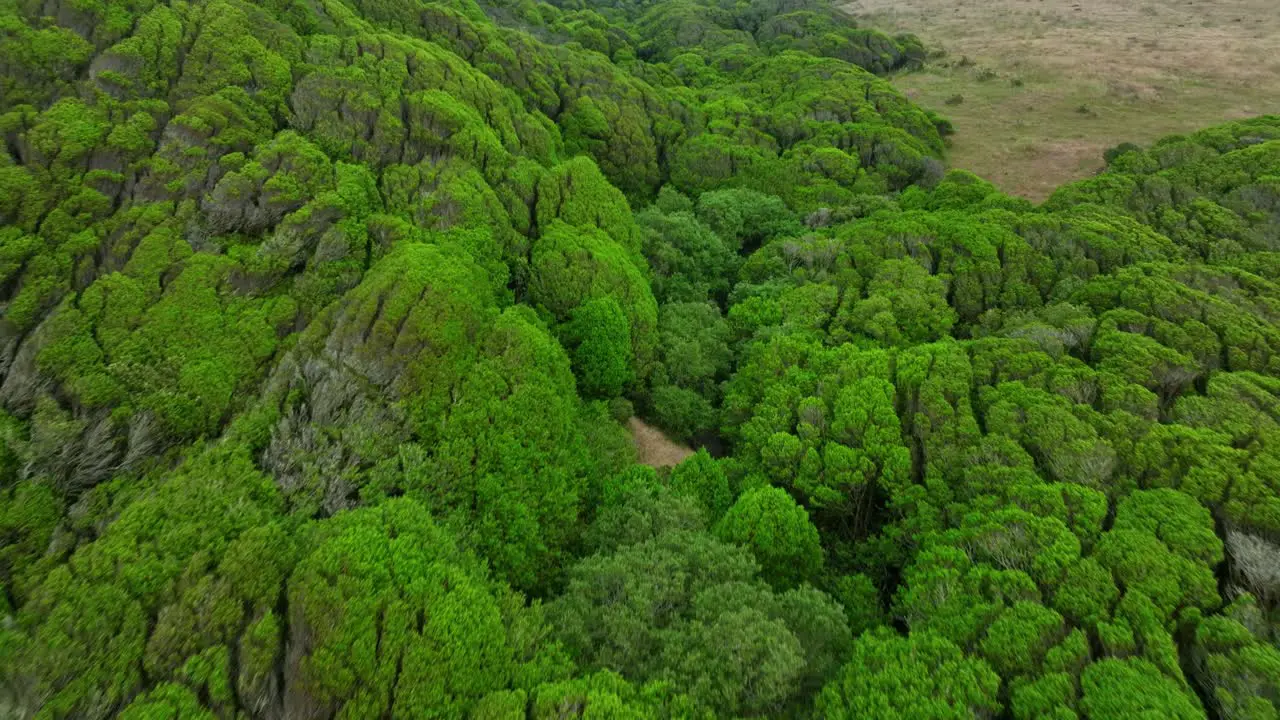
[(322, 321)]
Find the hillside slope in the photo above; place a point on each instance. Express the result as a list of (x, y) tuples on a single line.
[(322, 320)]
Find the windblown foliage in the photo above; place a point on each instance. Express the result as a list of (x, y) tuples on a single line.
[(319, 320)]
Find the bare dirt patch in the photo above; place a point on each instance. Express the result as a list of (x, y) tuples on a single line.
[(1038, 89), (653, 448)]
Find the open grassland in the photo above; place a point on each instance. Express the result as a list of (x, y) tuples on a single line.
[(1038, 89)]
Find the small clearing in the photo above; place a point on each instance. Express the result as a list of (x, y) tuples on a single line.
[(653, 447)]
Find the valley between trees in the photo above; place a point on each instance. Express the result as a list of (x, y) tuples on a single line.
[(322, 323)]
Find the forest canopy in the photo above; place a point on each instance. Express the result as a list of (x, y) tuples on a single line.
[(322, 321)]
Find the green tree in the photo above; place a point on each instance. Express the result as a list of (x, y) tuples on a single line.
[(777, 531), (1240, 669), (601, 340), (391, 617), (167, 702), (1128, 688), (1162, 545), (570, 267), (684, 608), (921, 675), (702, 478)]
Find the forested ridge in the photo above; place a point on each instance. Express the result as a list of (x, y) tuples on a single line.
[(322, 320)]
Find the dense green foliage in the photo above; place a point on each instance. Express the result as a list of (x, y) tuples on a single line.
[(320, 320)]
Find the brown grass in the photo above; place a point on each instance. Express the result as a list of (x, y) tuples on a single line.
[(1048, 85), (653, 448)]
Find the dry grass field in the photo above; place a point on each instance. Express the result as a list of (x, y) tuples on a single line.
[(1038, 89), (653, 448)]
